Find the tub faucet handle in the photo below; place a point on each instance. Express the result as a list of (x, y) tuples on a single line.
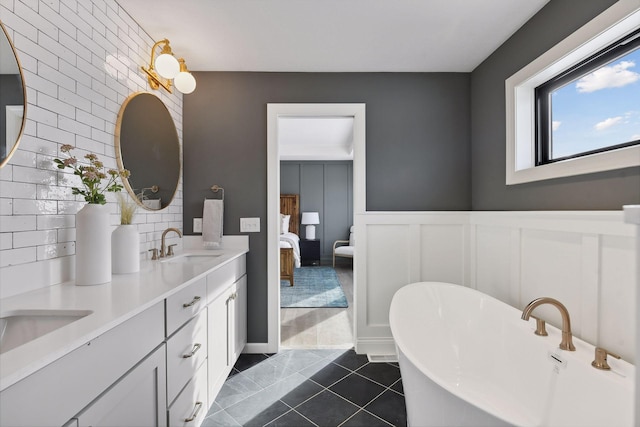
[(601, 358), (541, 329)]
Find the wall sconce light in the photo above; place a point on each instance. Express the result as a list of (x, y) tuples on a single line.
[(166, 67)]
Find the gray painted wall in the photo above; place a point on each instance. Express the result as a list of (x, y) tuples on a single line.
[(324, 187), (606, 190), (417, 130)]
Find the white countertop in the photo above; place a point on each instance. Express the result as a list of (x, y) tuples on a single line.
[(111, 304)]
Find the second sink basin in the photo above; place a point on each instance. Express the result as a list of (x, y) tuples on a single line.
[(21, 326), (192, 258)]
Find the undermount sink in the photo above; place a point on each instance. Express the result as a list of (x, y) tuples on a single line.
[(21, 326), (192, 258)]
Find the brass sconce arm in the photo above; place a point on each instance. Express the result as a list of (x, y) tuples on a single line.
[(155, 80)]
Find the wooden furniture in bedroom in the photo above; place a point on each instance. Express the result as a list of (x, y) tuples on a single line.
[(289, 205), (286, 264)]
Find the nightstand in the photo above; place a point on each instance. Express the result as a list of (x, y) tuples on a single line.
[(310, 252)]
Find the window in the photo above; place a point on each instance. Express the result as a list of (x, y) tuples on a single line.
[(539, 150), (592, 107)]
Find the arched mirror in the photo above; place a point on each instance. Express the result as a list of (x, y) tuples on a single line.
[(12, 98), (147, 144)]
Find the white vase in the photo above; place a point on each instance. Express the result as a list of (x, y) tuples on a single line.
[(93, 245), (125, 249)]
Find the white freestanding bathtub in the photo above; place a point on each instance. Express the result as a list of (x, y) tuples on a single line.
[(467, 359)]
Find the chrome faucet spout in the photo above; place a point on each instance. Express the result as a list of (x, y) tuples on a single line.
[(567, 337), (163, 252)]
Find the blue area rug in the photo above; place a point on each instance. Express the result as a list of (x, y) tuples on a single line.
[(315, 287)]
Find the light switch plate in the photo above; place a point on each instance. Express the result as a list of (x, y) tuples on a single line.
[(197, 225), (249, 225)]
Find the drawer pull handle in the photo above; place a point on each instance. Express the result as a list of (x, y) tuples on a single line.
[(193, 301), (195, 414), (195, 348)]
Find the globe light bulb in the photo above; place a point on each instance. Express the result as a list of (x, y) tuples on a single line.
[(167, 65), (185, 82)]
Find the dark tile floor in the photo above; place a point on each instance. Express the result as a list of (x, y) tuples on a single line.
[(310, 388)]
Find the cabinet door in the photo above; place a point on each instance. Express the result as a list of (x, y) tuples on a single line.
[(218, 353), (240, 318), (137, 399)]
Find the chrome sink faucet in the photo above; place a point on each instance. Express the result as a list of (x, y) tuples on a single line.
[(567, 337), (163, 252)]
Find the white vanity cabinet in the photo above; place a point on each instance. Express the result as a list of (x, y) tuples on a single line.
[(162, 366), (62, 389), (227, 321), (136, 400)]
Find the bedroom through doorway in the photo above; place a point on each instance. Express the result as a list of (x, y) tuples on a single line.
[(316, 294), (315, 174)]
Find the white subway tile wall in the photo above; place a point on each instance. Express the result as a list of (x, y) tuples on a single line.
[(81, 59)]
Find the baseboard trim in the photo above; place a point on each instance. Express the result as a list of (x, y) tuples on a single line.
[(382, 346), (382, 358), (258, 348)]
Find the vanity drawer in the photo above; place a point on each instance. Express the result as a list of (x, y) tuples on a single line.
[(186, 351), (183, 305), (191, 405)]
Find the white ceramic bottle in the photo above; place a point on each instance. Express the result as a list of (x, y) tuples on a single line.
[(125, 249)]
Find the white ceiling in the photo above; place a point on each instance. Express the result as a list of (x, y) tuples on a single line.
[(332, 35)]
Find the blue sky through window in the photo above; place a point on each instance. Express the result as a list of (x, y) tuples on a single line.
[(598, 110)]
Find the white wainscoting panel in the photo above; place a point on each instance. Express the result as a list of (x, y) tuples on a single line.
[(492, 263), (398, 249), (442, 253), (617, 313), (551, 267), (585, 259), (388, 263)]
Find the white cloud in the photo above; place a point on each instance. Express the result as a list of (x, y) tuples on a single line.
[(617, 75), (606, 124), (634, 137), (555, 124)]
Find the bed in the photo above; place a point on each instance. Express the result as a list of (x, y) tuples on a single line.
[(289, 235)]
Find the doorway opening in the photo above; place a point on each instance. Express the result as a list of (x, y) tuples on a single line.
[(312, 327)]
